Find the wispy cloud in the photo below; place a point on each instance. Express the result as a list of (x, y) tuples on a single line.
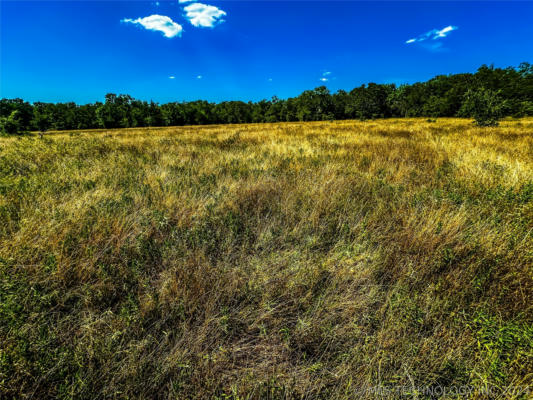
[(433, 34), (199, 77), (325, 76), (185, 1), (203, 15), (160, 23), (172, 77)]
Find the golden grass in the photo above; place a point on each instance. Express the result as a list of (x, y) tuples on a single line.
[(297, 260)]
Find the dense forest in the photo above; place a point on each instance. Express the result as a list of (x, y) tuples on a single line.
[(508, 91)]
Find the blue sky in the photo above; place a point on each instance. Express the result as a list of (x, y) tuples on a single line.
[(247, 50)]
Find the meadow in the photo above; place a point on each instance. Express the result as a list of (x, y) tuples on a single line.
[(315, 260)]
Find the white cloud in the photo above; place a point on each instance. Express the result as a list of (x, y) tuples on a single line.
[(160, 23), (443, 32), (204, 15), (185, 1), (325, 75), (433, 34), (171, 77), (199, 77)]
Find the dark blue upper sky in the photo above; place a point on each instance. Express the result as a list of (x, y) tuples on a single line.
[(80, 50)]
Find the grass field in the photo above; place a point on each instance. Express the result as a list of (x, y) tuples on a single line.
[(297, 260)]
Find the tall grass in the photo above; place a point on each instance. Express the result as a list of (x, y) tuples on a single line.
[(298, 260)]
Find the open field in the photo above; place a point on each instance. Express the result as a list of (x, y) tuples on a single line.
[(297, 260)]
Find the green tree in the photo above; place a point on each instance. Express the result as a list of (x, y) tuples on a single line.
[(41, 119), (315, 105), (369, 102), (12, 123), (484, 105), (16, 115)]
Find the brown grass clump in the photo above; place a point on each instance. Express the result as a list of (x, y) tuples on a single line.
[(341, 260)]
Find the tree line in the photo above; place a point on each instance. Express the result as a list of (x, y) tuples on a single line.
[(487, 95)]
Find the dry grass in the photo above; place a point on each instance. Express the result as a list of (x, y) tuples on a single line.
[(298, 260)]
